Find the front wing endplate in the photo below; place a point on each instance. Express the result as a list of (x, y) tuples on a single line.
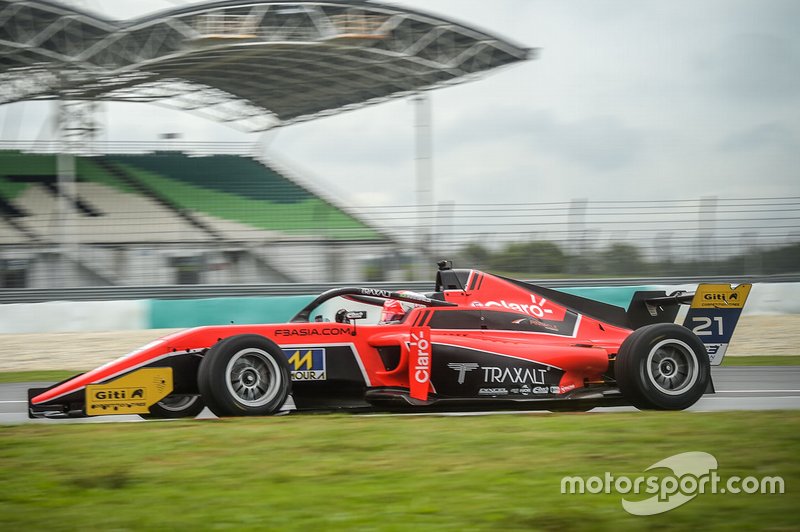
[(133, 393)]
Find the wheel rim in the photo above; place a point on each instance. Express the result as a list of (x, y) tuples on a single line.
[(672, 367), (252, 377), (178, 403)]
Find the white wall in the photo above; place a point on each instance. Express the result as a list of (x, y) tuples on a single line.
[(65, 316)]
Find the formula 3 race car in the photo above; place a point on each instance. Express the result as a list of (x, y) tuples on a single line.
[(477, 342)]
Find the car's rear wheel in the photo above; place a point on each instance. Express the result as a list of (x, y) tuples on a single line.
[(662, 366), (176, 406), (245, 375)]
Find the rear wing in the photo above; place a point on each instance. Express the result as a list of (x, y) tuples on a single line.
[(711, 312)]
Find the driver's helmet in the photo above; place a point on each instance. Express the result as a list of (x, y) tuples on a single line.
[(394, 310)]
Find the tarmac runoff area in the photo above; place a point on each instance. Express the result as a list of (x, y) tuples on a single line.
[(738, 388)]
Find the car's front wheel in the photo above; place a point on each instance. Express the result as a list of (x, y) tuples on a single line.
[(662, 366), (176, 406), (244, 375)]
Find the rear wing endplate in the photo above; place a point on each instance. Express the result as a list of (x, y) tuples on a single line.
[(711, 312)]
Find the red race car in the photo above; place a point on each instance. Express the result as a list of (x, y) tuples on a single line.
[(477, 342)]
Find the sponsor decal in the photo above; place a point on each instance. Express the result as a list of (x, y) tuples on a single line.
[(536, 308), (493, 391), (316, 331), (419, 364), (535, 322), (535, 390), (401, 295), (120, 394), (133, 393), (306, 363), (716, 352), (492, 374), (462, 368), (376, 292), (720, 296), (464, 377), (413, 296), (510, 375), (567, 388)]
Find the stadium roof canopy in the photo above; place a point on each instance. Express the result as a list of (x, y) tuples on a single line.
[(254, 64)]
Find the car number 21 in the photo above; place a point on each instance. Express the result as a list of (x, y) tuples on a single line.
[(705, 325)]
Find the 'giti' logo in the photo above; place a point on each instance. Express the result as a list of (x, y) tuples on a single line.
[(119, 394), (306, 364), (720, 296)]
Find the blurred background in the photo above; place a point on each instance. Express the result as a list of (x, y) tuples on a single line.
[(183, 143)]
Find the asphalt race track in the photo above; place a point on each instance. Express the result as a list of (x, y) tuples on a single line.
[(738, 388)]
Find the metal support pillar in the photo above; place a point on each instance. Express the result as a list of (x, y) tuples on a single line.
[(76, 129), (424, 182)]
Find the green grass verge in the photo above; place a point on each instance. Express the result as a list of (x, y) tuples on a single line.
[(36, 376), (768, 360), (334, 472)]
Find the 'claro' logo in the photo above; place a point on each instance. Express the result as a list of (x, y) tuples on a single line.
[(422, 364), (538, 308), (419, 363)]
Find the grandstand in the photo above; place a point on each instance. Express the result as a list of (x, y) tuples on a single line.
[(167, 217)]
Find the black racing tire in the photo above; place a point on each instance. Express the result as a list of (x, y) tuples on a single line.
[(663, 366), (244, 375), (175, 407)]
